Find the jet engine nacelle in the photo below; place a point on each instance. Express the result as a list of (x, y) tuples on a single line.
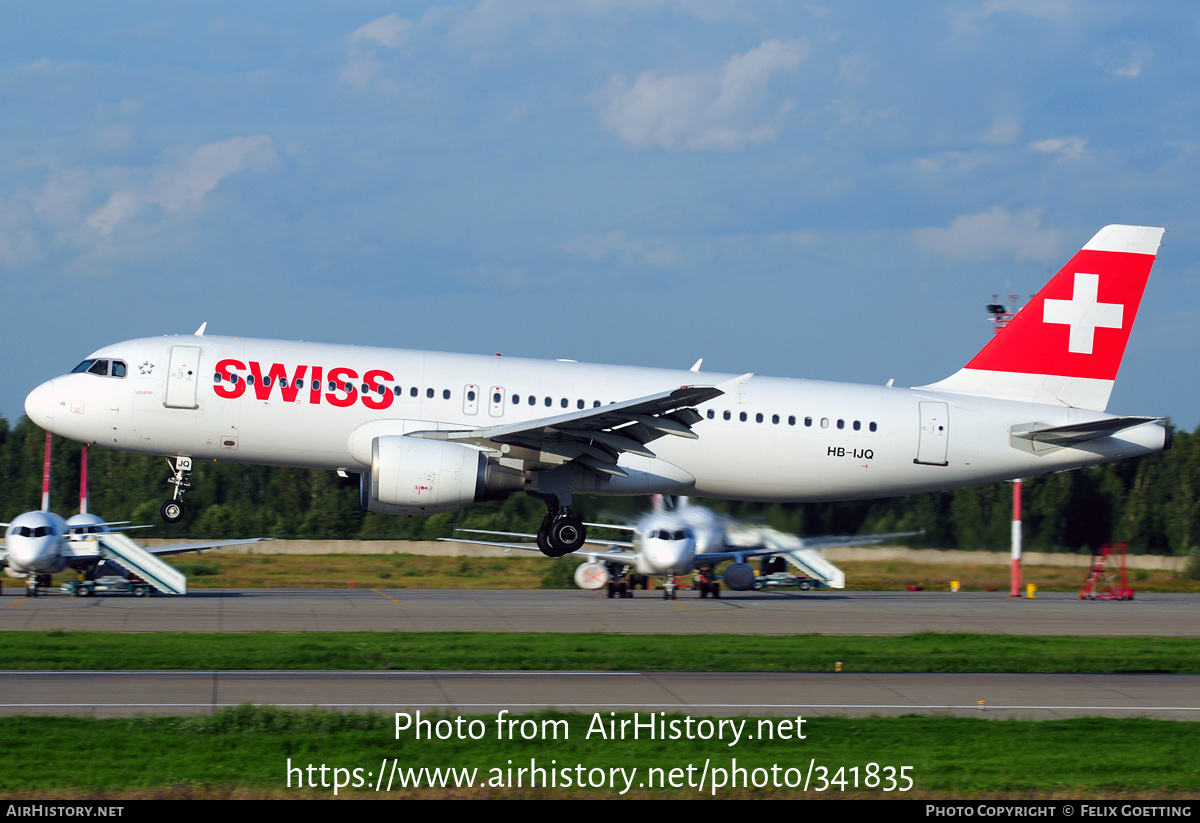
[(739, 577), (591, 576), (412, 475)]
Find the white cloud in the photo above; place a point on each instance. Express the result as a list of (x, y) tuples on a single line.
[(183, 186), (994, 233), (1037, 9), (716, 110), (18, 244), (628, 252), (1068, 148), (1003, 132), (390, 31), (363, 67)]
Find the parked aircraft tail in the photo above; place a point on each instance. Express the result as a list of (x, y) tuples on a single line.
[(1065, 346)]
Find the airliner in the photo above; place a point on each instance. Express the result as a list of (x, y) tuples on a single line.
[(38, 544), (686, 539), (430, 432)]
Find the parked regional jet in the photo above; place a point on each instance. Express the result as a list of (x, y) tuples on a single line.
[(431, 432), (670, 543), (40, 543)]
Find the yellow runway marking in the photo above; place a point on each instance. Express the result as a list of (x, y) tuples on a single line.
[(388, 596), (19, 602)]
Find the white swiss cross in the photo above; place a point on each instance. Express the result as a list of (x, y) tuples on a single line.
[(1083, 313)]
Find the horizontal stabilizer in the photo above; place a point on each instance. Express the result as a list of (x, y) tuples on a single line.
[(1076, 433)]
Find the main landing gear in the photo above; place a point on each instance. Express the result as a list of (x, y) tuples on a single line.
[(561, 532), (172, 511), (35, 583)]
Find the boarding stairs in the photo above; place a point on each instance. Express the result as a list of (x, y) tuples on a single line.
[(145, 565), (813, 565)]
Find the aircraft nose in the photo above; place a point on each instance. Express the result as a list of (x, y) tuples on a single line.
[(40, 405)]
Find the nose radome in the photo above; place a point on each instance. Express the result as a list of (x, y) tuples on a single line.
[(40, 404)]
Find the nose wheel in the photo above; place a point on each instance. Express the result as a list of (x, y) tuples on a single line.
[(172, 511)]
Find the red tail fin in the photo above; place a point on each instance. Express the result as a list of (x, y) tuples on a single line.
[(1065, 346)]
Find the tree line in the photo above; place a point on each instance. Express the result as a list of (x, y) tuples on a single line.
[(1152, 503)]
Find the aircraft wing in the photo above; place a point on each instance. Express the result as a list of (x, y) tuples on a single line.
[(809, 543), (595, 438), (532, 537), (180, 548), (626, 558)]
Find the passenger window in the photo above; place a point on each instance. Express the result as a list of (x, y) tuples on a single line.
[(872, 427), (595, 404), (532, 400), (857, 425), (774, 418), (758, 418), (824, 422), (549, 402), (429, 393), (250, 381), (217, 377), (299, 383), (564, 402), (365, 388), (471, 396), (841, 424), (727, 415), (742, 417), (396, 390), (808, 421), (711, 414), (579, 404), (412, 392), (349, 388), (283, 383), (791, 419)]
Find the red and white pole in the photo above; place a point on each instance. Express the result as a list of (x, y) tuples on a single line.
[(46, 477), (1016, 539), (83, 482)]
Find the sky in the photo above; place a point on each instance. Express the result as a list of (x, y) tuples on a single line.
[(831, 191)]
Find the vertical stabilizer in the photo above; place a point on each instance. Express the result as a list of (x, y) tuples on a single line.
[(1065, 346)]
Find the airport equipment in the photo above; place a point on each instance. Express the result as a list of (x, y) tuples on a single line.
[(1104, 582)]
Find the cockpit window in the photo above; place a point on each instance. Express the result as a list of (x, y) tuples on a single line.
[(103, 368)]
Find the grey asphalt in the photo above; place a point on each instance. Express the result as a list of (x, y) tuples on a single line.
[(993, 696), (832, 613)]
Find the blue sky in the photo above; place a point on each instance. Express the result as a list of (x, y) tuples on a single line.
[(829, 191)]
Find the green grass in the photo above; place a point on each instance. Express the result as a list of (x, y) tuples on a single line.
[(59, 650), (245, 751)]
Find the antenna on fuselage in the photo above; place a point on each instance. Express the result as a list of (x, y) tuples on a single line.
[(46, 477)]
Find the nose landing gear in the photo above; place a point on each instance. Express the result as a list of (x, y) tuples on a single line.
[(172, 511)]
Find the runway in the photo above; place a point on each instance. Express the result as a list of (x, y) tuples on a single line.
[(426, 610), (991, 696)]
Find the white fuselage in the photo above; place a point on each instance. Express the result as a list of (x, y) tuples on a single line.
[(772, 439)]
